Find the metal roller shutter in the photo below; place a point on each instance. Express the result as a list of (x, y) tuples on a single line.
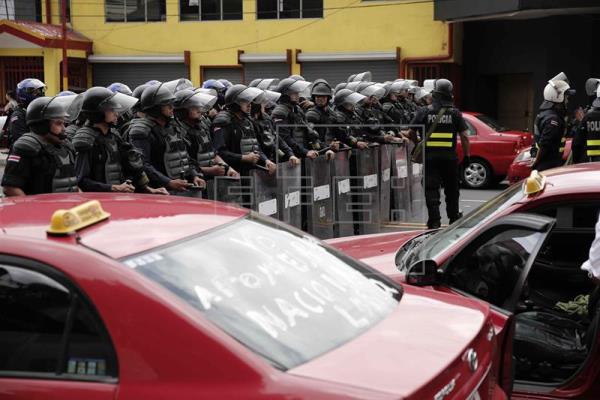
[(135, 74), (338, 71), (234, 75), (266, 70)]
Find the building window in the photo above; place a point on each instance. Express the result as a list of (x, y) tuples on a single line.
[(281, 9), (136, 10), (210, 10), (22, 10)]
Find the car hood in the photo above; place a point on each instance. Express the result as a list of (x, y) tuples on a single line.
[(378, 251), (416, 351)]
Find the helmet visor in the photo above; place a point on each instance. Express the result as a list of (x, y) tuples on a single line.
[(591, 85), (202, 100), (429, 84), (375, 90), (560, 77), (75, 108), (298, 87), (354, 99), (57, 107), (363, 77), (179, 84), (270, 98), (119, 103), (266, 84), (251, 95)]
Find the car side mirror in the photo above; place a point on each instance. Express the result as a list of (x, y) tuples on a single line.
[(423, 273)]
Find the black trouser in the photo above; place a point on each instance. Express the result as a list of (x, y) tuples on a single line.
[(441, 173), (543, 165)]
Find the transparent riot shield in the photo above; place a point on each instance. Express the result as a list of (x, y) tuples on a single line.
[(318, 200), (385, 166), (365, 190), (264, 190), (342, 195), (227, 189), (289, 187), (416, 179), (400, 186)]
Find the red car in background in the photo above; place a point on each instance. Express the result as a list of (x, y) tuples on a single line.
[(493, 148), (521, 165), (112, 297), (521, 252)]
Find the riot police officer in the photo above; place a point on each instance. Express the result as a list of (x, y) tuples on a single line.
[(345, 102), (550, 124), (443, 123), (371, 114), (166, 159), (390, 103), (104, 162), (27, 90), (75, 120), (586, 142), (300, 137), (125, 116), (321, 112), (42, 161), (220, 88), (234, 135), (276, 150), (190, 108)]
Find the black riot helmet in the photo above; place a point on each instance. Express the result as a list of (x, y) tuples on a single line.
[(288, 86), (321, 87), (347, 96), (44, 109), (98, 99), (153, 97), (242, 93), (188, 98), (442, 91)]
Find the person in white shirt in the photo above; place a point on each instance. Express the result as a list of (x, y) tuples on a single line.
[(592, 265)]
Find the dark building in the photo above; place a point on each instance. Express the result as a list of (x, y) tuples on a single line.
[(512, 47)]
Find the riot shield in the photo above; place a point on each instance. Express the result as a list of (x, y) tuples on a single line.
[(289, 186), (400, 208), (264, 192), (417, 193), (226, 189), (342, 195), (317, 199), (365, 190), (385, 167)]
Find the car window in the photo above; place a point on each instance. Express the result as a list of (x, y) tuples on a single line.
[(492, 123), (471, 131), (489, 270), (434, 244), (37, 314), (571, 216), (279, 292)]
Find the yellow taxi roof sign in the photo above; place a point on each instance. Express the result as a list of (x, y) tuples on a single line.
[(535, 183), (64, 222)]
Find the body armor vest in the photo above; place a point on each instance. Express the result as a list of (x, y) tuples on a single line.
[(176, 159), (64, 179), (443, 139)]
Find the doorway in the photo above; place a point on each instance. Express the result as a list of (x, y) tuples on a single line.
[(515, 101)]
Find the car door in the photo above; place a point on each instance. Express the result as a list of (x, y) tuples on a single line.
[(494, 267), (52, 343)]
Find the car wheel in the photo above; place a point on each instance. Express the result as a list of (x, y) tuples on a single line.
[(477, 175)]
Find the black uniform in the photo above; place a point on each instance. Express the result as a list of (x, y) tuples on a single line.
[(375, 117), (586, 142), (348, 134), (550, 125), (394, 112), (301, 138), (37, 166), (199, 142), (17, 125), (163, 149), (275, 150), (234, 137), (441, 160), (104, 160), (321, 116)]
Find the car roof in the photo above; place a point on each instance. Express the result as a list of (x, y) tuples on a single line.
[(571, 180), (137, 223)]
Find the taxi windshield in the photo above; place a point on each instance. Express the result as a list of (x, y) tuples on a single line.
[(281, 293), (429, 245)]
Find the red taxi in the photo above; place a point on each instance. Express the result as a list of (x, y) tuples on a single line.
[(493, 149), (521, 252), (141, 297)]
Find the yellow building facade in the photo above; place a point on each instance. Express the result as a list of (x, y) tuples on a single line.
[(395, 38)]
